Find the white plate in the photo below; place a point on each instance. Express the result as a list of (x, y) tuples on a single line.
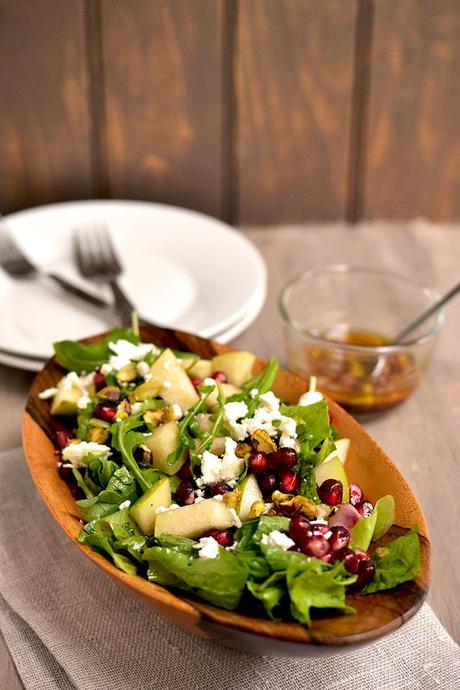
[(225, 336), (182, 269)]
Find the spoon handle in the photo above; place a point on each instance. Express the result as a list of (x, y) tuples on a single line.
[(426, 314)]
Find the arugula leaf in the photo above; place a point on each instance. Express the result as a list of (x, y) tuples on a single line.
[(185, 439), (101, 538), (221, 580), (268, 523), (126, 439), (100, 471), (313, 425), (270, 593), (121, 487), (77, 357), (396, 562), (314, 584)]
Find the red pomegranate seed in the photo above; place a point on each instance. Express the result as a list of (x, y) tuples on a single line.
[(366, 572), (328, 557), (105, 411), (289, 481), (257, 463), (99, 380), (185, 494), (223, 538), (350, 561), (63, 437), (362, 555), (340, 537), (299, 529), (65, 473), (331, 492), (197, 382), (219, 489), (282, 459), (356, 494), (268, 483), (185, 471), (317, 547), (219, 376), (365, 508)]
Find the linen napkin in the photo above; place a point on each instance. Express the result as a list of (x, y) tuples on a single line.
[(68, 626)]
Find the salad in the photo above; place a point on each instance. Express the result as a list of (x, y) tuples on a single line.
[(193, 474)]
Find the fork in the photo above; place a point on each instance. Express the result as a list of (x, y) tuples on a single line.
[(17, 265), (97, 260)]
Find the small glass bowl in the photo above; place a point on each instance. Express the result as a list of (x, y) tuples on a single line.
[(327, 310)]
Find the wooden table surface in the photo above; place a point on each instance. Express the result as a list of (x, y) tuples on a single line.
[(421, 435)]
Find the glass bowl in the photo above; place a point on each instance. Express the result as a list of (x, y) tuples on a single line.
[(339, 321)]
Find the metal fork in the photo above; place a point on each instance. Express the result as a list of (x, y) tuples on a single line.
[(97, 260), (17, 265)]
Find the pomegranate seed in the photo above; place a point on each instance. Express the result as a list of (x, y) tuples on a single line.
[(299, 529), (317, 547), (328, 557), (340, 554), (219, 489), (197, 382), (185, 494), (219, 376), (356, 494), (268, 483), (366, 572), (340, 537), (281, 459), (331, 492), (365, 508), (289, 481), (185, 471), (350, 561), (362, 555), (99, 380), (63, 437), (65, 473), (257, 463), (105, 411), (224, 538)]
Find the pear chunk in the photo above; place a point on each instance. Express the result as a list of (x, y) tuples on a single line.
[(176, 385), (237, 365), (194, 520), (144, 511), (163, 441)]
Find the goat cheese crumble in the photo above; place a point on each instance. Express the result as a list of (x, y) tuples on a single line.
[(277, 538), (267, 417), (216, 469), (207, 548), (76, 452), (310, 398), (47, 393), (143, 370), (126, 352)]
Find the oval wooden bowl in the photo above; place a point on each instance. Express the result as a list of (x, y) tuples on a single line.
[(377, 614)]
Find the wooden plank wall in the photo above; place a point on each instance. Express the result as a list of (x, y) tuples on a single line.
[(255, 111)]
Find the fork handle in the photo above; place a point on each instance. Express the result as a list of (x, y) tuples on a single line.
[(123, 306), (78, 292)]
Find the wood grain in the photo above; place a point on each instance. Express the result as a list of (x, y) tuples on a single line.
[(413, 147), (293, 80), (162, 69), (44, 119)]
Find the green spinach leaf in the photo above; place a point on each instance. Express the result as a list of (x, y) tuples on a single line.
[(77, 357), (396, 562)]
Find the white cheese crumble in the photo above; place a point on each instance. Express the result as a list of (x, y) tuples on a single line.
[(209, 382), (309, 398), (176, 411), (83, 402), (48, 393), (236, 518), (75, 452), (143, 370), (136, 407), (277, 538), (218, 497), (254, 392), (207, 547), (124, 505), (105, 369), (232, 547), (226, 469), (267, 417), (126, 352)]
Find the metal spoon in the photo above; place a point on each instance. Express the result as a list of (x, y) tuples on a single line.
[(426, 314)]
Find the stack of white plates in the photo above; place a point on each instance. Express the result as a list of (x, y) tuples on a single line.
[(182, 269)]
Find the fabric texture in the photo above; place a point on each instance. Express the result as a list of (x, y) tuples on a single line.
[(68, 626)]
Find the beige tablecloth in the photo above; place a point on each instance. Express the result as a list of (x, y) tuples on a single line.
[(68, 626)]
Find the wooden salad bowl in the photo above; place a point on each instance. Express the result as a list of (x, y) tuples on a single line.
[(377, 614)]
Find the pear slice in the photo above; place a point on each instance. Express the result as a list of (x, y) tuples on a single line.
[(176, 385), (144, 511), (250, 493), (237, 365), (161, 443), (194, 520)]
